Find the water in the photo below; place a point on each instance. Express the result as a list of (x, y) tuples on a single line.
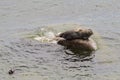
[(31, 59)]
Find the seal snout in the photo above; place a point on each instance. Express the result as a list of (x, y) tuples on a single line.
[(90, 31)]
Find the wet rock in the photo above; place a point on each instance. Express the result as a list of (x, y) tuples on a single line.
[(10, 72)]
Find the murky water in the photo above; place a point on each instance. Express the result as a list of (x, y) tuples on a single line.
[(21, 20)]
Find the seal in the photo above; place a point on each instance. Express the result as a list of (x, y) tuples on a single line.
[(79, 33), (84, 45), (77, 39)]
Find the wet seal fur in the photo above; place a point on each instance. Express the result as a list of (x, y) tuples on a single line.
[(79, 33), (86, 45), (78, 39)]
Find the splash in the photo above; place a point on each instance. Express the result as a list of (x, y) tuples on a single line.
[(48, 37), (47, 34)]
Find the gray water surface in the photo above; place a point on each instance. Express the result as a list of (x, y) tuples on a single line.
[(33, 60)]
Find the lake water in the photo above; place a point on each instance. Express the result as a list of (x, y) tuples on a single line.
[(33, 60)]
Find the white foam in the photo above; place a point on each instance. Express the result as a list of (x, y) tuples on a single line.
[(48, 37)]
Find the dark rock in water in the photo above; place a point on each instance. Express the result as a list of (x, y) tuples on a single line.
[(10, 72), (77, 34)]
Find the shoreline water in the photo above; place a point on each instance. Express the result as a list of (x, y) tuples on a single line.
[(48, 61)]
